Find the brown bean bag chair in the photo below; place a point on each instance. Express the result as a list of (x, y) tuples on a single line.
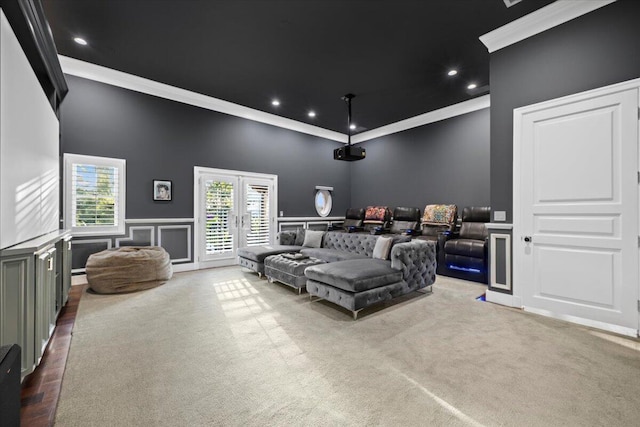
[(128, 269)]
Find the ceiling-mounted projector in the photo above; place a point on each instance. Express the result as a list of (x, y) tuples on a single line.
[(349, 152)]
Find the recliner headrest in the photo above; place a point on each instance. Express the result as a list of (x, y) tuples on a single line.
[(355, 213), (377, 213), (406, 214), (476, 214), (440, 214)]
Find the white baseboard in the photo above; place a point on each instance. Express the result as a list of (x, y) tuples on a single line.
[(177, 268), (586, 322), (503, 299)]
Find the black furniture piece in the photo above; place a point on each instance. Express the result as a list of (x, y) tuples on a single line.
[(437, 219), (406, 221), (463, 254), (10, 359), (353, 221), (377, 219)]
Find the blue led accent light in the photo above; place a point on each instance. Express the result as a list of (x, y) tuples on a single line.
[(470, 270)]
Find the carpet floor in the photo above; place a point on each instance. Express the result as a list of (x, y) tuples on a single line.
[(222, 347)]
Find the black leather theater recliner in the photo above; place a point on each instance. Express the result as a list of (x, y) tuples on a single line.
[(437, 219), (377, 219), (406, 221), (464, 254), (353, 220)]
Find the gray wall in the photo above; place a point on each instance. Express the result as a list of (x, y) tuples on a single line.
[(162, 139), (597, 49), (444, 162)]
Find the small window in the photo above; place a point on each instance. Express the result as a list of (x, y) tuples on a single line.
[(94, 195), (323, 202)]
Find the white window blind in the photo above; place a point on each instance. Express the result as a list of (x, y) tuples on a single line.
[(94, 194), (258, 209), (218, 211), (95, 197)]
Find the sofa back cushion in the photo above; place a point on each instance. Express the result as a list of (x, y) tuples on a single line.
[(299, 236), (313, 239), (286, 238), (358, 243)]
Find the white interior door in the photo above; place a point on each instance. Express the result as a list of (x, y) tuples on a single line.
[(576, 209), (234, 209)]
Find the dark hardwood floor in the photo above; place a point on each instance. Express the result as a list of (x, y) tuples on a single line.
[(41, 389)]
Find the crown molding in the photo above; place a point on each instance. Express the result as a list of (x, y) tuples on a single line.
[(543, 19), (86, 70), (112, 77), (459, 109), (28, 23)]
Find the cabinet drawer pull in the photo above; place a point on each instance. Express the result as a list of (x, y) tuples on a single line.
[(50, 268)]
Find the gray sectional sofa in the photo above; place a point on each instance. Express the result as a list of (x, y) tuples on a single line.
[(350, 276)]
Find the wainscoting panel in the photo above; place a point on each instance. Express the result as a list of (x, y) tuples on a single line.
[(82, 248), (500, 253), (172, 238), (138, 236), (175, 235)]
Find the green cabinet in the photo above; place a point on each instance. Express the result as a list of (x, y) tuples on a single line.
[(35, 277), (17, 306)]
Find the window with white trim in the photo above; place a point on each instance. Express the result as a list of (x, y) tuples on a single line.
[(94, 194)]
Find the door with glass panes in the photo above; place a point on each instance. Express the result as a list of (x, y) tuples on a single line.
[(235, 211)]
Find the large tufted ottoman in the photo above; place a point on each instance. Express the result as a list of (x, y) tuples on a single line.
[(252, 257), (127, 269), (289, 271), (355, 284)]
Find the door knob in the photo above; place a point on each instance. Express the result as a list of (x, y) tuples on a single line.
[(527, 239)]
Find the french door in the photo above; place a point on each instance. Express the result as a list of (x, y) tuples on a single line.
[(235, 209)]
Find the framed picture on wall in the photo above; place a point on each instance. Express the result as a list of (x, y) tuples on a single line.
[(162, 190)]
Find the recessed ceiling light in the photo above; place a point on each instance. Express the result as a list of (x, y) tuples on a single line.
[(80, 41), (275, 103), (472, 86), (352, 127), (311, 114), (452, 72)]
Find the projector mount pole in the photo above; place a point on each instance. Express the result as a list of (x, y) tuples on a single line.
[(348, 97)]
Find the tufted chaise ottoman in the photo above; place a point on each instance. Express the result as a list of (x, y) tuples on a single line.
[(355, 284), (128, 269), (289, 271), (358, 283)]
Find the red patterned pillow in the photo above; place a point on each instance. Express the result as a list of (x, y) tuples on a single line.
[(375, 213)]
